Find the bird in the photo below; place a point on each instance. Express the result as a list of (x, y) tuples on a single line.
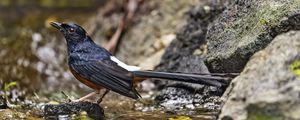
[(98, 69)]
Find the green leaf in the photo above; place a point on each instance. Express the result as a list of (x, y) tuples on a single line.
[(7, 86)]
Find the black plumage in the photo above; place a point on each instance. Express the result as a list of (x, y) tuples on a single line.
[(95, 66)]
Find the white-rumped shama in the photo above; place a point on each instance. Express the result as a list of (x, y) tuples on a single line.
[(97, 68)]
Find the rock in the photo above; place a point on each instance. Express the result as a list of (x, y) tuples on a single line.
[(175, 98), (191, 36), (11, 114), (268, 87), (177, 95), (180, 56), (185, 64), (79, 109), (3, 104), (245, 27)]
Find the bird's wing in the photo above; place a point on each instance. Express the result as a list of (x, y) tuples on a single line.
[(109, 75)]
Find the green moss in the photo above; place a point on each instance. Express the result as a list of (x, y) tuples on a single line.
[(263, 16), (263, 21), (180, 118), (273, 12), (295, 67), (266, 15), (260, 116), (263, 112), (66, 3), (266, 112), (82, 116)]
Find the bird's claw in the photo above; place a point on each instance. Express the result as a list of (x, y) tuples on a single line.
[(99, 100), (77, 100), (69, 100)]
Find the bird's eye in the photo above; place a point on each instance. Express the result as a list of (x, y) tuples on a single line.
[(71, 30)]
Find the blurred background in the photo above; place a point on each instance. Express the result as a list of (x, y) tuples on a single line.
[(33, 54)]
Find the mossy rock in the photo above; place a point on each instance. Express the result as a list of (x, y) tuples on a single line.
[(268, 88), (245, 27)]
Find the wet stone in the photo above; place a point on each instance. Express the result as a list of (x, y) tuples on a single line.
[(3, 104), (177, 97), (74, 110), (185, 54)]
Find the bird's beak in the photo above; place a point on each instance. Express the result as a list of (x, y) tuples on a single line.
[(57, 25)]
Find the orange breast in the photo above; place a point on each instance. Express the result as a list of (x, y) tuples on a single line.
[(84, 81)]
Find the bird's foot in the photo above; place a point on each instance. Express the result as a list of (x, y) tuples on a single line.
[(77, 100), (83, 98), (101, 98), (99, 101)]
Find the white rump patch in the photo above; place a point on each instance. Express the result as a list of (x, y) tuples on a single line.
[(123, 65)]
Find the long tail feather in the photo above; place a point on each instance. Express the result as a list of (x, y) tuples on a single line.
[(215, 79)]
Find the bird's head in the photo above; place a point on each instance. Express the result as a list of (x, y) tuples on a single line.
[(71, 31)]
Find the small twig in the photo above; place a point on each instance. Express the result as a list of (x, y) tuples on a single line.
[(132, 6), (36, 95), (111, 45)]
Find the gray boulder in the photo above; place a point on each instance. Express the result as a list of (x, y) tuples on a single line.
[(182, 56), (245, 27), (269, 86)]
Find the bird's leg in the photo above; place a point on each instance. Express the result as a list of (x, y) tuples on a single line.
[(87, 96), (101, 98)]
